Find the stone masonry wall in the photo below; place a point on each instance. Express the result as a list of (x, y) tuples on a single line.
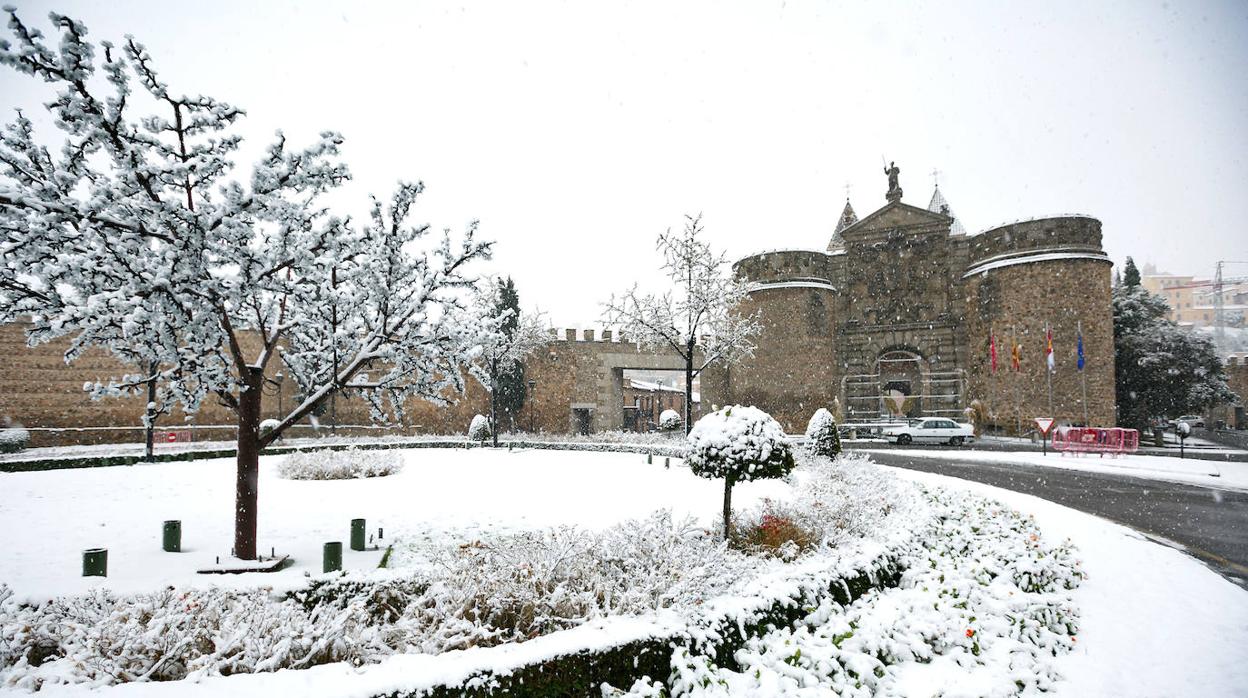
[(1017, 301)]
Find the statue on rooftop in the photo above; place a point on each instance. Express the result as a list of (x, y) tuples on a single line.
[(894, 189)]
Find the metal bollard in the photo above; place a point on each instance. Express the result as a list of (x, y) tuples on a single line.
[(331, 558), (171, 540), (357, 534), (649, 459), (667, 462), (95, 562)]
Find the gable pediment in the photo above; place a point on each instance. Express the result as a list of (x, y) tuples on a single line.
[(896, 215)]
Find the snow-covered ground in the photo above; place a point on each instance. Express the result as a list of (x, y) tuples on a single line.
[(1224, 475), (440, 494), (1151, 620), (1154, 621)]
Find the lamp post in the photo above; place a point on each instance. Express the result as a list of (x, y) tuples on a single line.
[(279, 393), (532, 385)]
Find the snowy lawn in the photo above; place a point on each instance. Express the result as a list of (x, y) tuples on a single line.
[(440, 495), (1225, 475)]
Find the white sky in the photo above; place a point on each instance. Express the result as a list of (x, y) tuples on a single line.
[(576, 132)]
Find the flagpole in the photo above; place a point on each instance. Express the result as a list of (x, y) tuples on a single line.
[(1018, 381), (1048, 372), (1083, 378)]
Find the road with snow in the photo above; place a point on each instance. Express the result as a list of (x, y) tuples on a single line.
[(1206, 522)]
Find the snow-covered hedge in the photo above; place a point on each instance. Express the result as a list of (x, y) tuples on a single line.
[(739, 443), (670, 420), (351, 463), (821, 432), (479, 429), (985, 598), (13, 439), (268, 425)]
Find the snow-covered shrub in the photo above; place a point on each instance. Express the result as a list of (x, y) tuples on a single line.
[(821, 432), (479, 429), (267, 426), (328, 464), (670, 420), (738, 444), (774, 532), (13, 439)]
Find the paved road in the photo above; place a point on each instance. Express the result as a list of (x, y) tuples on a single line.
[(1212, 524)]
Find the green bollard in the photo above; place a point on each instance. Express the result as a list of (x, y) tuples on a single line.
[(332, 557), (357, 534), (172, 538), (95, 562), (649, 459)]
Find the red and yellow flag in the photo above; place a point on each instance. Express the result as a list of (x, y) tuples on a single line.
[(992, 350)]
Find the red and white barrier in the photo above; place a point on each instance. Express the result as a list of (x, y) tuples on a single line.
[(1096, 440)]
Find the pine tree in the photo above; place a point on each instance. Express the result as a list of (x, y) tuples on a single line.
[(1130, 275), (511, 387), (517, 334), (1161, 368)]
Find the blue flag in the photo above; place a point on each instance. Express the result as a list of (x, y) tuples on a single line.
[(1080, 364)]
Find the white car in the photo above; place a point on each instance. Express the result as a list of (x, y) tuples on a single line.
[(930, 430)]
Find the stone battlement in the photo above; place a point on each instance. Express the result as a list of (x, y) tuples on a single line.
[(1074, 233)]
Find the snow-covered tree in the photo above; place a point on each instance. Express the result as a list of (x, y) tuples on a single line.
[(516, 335), (137, 233), (822, 435), (1160, 368), (670, 420), (738, 444), (479, 429), (698, 317)]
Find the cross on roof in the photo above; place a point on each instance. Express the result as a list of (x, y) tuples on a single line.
[(936, 177), (848, 186)]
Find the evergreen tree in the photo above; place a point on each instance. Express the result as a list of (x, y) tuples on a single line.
[(1130, 275), (1162, 369), (511, 389)]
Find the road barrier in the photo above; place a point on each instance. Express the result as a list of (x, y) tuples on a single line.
[(1113, 441)]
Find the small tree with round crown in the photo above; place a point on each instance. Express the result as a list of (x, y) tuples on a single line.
[(738, 444), (822, 435)]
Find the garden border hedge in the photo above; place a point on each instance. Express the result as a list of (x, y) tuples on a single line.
[(26, 466), (582, 673)]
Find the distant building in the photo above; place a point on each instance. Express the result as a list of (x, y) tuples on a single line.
[(1191, 298), (645, 401)]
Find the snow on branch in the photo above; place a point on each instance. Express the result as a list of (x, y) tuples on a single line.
[(138, 233), (699, 312)]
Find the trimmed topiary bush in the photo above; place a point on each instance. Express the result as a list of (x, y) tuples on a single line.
[(670, 420), (479, 429), (738, 444), (821, 432), (13, 439)]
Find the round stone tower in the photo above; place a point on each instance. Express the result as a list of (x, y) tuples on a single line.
[(1021, 279), (793, 370)]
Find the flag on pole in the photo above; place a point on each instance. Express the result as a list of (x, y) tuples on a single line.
[(1048, 349), (1080, 362), (992, 350), (1016, 355)]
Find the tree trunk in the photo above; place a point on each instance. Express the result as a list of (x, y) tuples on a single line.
[(689, 394), (494, 403), (246, 493), (149, 427), (727, 508)]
